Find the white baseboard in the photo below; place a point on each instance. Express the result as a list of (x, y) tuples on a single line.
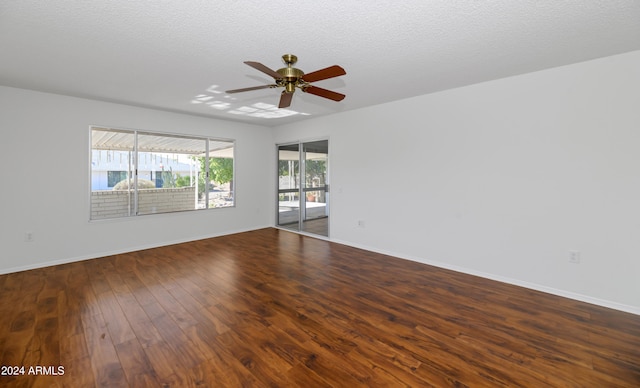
[(537, 287), (516, 282), (96, 255)]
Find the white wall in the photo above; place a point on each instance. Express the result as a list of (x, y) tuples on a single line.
[(44, 149), (500, 179)]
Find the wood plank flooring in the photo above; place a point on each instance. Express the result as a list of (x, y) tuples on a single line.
[(317, 226), (272, 308)]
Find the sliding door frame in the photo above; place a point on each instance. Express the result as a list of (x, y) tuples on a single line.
[(302, 188)]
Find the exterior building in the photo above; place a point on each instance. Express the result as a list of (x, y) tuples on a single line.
[(110, 167)]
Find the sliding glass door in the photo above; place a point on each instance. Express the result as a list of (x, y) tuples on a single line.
[(303, 187), (289, 186)]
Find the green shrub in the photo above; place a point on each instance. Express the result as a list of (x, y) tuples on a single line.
[(183, 181)]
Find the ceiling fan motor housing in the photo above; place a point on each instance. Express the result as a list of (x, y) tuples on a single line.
[(290, 75), (290, 78)]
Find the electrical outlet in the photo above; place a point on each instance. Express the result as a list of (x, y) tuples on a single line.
[(28, 236), (574, 257), (360, 223)]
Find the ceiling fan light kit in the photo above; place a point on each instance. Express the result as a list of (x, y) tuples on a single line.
[(291, 78)]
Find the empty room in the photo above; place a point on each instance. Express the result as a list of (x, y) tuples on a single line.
[(326, 194)]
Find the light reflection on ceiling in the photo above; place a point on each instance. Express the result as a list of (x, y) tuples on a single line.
[(213, 98)]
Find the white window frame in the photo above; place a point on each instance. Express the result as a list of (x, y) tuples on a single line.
[(97, 197)]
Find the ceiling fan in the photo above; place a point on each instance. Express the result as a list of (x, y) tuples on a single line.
[(291, 78)]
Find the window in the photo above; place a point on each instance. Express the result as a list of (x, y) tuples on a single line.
[(113, 177), (137, 173)]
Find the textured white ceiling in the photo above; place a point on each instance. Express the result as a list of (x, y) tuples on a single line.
[(166, 54)]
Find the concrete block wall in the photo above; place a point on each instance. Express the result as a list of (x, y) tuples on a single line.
[(112, 204)]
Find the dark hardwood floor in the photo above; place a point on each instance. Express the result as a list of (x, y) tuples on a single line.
[(272, 308), (317, 226)]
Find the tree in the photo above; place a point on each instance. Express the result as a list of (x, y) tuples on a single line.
[(285, 165), (315, 169), (289, 168), (220, 170), (168, 180), (183, 181)]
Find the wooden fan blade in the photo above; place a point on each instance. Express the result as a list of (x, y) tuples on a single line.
[(259, 66), (285, 100), (251, 88), (329, 72), (324, 93)]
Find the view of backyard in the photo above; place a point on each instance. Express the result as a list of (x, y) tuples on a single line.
[(174, 173)]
